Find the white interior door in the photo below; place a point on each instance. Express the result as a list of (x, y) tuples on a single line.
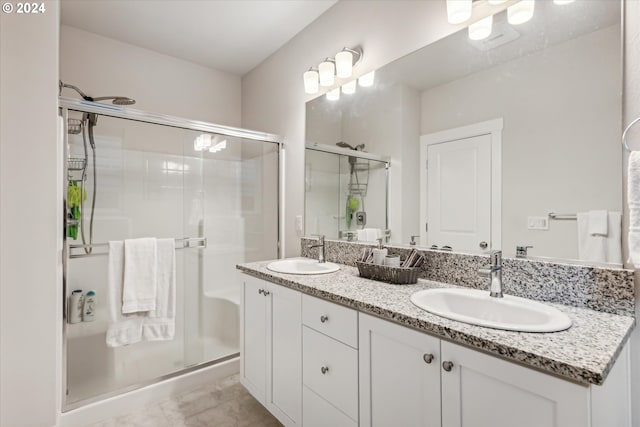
[(461, 187)]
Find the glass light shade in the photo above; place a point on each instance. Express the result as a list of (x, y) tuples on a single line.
[(481, 29), (202, 142), (561, 2), (366, 80), (495, 2), (344, 64), (333, 94), (327, 71), (219, 146), (458, 11), (311, 81), (349, 88), (520, 12)]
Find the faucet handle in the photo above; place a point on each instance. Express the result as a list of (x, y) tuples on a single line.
[(319, 236), (413, 239), (495, 257)]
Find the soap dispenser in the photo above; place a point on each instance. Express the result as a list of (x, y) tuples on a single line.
[(379, 254)]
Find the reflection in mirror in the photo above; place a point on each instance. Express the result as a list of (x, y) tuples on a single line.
[(489, 137), (345, 192)]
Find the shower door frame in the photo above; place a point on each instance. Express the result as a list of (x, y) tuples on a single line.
[(78, 105)]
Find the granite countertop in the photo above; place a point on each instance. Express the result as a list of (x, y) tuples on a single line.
[(584, 353)]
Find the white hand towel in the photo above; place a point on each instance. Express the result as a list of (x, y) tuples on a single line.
[(373, 234), (614, 238), (633, 198), (598, 223), (590, 247), (159, 324), (362, 235), (140, 271), (123, 329)]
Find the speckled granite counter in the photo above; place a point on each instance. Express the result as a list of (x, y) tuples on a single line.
[(584, 353)]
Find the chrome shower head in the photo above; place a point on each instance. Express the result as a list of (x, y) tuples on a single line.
[(344, 145), (116, 100)]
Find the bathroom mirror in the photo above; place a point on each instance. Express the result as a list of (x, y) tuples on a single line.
[(492, 144)]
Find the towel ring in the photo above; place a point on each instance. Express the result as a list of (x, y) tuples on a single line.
[(624, 134)]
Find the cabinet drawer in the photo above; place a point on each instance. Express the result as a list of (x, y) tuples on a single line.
[(317, 412), (330, 369), (331, 319)]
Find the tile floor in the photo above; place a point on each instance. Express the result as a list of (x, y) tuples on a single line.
[(222, 404)]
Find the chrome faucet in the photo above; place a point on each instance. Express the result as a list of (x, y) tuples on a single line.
[(320, 245), (494, 273)]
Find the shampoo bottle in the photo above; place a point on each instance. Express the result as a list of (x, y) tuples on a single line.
[(379, 254), (89, 307), (75, 306)]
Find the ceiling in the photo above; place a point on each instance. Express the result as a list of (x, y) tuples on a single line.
[(227, 35)]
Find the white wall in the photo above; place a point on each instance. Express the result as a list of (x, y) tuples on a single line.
[(100, 66), (559, 128), (30, 220), (273, 97)]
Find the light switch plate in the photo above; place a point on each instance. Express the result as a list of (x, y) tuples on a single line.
[(538, 223)]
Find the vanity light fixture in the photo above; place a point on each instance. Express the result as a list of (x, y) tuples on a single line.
[(219, 146), (481, 29), (311, 85), (520, 12), (333, 94), (341, 66), (349, 87), (458, 11), (562, 2), (366, 80), (327, 70), (202, 142)]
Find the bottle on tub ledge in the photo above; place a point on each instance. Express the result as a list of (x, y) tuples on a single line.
[(76, 306), (89, 307)]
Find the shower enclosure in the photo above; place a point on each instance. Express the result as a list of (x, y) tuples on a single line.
[(346, 190), (212, 188)]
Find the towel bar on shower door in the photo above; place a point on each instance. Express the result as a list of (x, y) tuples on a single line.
[(185, 242)]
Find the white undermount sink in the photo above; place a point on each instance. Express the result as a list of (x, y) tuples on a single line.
[(478, 308), (302, 266)]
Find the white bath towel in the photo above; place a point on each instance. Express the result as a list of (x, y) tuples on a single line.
[(123, 329), (599, 248), (159, 324), (373, 234), (633, 199), (140, 275), (598, 223)]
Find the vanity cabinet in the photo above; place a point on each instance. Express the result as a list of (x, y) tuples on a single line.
[(271, 347), (420, 380)]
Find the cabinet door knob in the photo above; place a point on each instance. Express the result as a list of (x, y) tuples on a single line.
[(447, 365), (324, 370), (265, 293), (260, 291), (324, 318), (428, 358)]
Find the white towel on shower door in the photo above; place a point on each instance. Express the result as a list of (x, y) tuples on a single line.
[(633, 200), (159, 324), (140, 275), (123, 329)]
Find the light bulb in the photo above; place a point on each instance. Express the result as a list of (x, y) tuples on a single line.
[(344, 64), (495, 2), (366, 80), (349, 87), (311, 81), (481, 29), (458, 11), (333, 94), (327, 71), (563, 2), (520, 12)]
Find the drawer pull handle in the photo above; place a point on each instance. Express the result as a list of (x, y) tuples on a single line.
[(428, 358), (447, 366), (324, 370), (324, 318)]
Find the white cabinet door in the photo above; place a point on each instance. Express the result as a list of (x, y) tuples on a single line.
[(284, 354), (253, 338), (480, 390), (399, 375)]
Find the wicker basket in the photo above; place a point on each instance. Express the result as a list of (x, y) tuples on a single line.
[(383, 273)]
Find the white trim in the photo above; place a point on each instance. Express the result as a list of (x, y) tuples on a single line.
[(489, 127)]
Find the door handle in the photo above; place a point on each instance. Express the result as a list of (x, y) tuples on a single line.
[(447, 365), (483, 245)]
